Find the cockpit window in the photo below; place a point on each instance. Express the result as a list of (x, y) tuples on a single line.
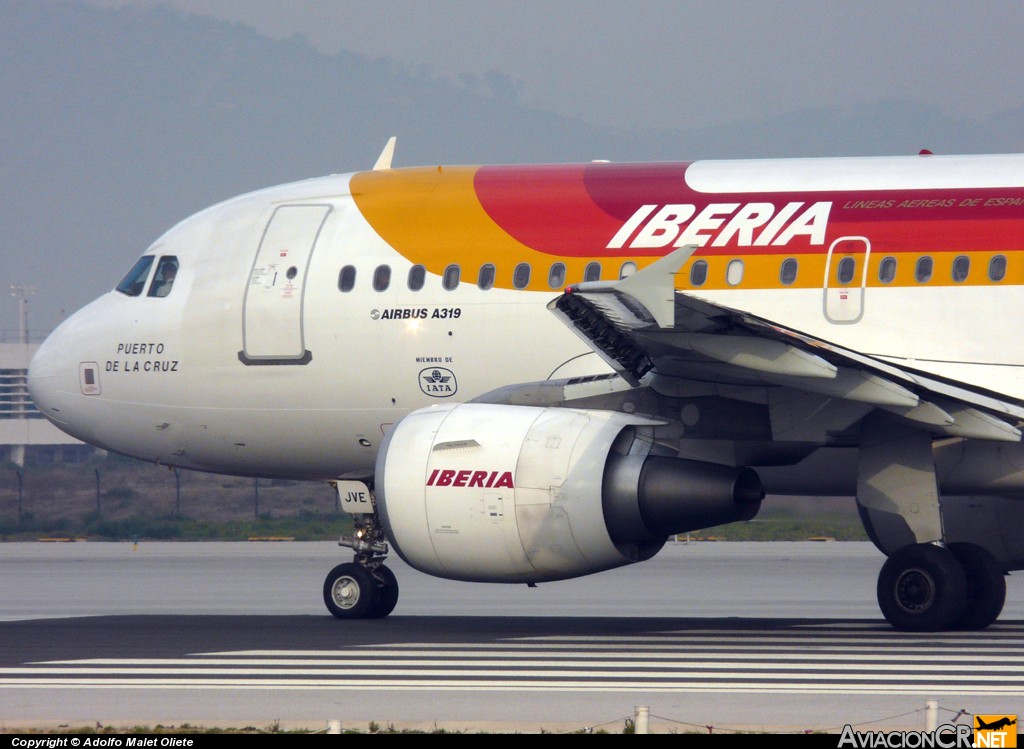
[(166, 272), (133, 283)]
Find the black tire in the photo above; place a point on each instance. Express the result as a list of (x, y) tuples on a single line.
[(387, 593), (922, 588), (986, 586), (350, 592)]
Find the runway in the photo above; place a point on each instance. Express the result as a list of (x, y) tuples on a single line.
[(560, 657)]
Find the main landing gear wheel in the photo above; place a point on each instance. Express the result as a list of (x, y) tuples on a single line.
[(986, 586), (922, 588), (350, 591)]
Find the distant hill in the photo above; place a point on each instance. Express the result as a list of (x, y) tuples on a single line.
[(118, 123)]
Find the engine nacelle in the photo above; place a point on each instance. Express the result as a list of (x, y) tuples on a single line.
[(495, 493)]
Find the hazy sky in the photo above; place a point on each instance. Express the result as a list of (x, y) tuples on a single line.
[(676, 63), (681, 66)]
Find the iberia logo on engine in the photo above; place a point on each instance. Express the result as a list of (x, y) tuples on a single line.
[(481, 479)]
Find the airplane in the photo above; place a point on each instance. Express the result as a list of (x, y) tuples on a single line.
[(995, 725), (524, 374)]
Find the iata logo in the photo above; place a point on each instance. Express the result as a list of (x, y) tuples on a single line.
[(438, 382), (718, 224), (481, 479)]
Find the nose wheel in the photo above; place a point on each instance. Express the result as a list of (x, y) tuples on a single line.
[(364, 588), (349, 591), (352, 591)]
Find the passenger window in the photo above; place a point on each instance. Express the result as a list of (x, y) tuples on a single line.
[(451, 277), (699, 273), (135, 281), (961, 268), (845, 271), (417, 275), (923, 271), (486, 278), (347, 278), (556, 276), (997, 268), (382, 278), (787, 274), (592, 272), (887, 270), (734, 272), (628, 269), (521, 276), (163, 279)]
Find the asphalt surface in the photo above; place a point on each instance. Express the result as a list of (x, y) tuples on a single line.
[(763, 636)]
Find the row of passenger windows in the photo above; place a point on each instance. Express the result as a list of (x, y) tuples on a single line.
[(846, 270), (845, 273), (924, 269), (452, 276)]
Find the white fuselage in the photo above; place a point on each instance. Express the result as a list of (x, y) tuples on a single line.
[(174, 385)]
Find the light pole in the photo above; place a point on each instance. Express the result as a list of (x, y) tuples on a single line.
[(177, 491), (21, 485), (22, 293)]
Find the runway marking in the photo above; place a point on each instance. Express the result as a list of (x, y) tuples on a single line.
[(772, 655), (709, 640), (704, 662), (566, 661), (521, 686)]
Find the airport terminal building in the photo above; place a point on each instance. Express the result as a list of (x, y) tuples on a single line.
[(25, 435)]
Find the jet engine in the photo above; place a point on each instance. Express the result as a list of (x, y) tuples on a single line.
[(517, 494)]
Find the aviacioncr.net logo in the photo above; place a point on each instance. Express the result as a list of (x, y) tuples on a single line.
[(995, 731), (948, 736)]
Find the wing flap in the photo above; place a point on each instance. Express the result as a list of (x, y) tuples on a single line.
[(630, 325)]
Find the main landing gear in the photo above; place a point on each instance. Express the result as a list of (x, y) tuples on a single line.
[(933, 584), (364, 588), (929, 588)]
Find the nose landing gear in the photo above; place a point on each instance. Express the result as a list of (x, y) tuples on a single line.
[(364, 588)]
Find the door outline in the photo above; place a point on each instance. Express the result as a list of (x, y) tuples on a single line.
[(273, 309), (843, 304)]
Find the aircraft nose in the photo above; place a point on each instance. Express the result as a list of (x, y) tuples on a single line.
[(48, 376), (42, 378)]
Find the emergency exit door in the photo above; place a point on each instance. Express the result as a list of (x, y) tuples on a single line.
[(846, 277)]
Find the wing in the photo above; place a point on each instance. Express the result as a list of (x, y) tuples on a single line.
[(653, 335)]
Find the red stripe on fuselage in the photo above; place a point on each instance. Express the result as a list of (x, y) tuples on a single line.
[(576, 210)]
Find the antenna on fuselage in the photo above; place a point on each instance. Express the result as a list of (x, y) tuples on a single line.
[(384, 160)]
